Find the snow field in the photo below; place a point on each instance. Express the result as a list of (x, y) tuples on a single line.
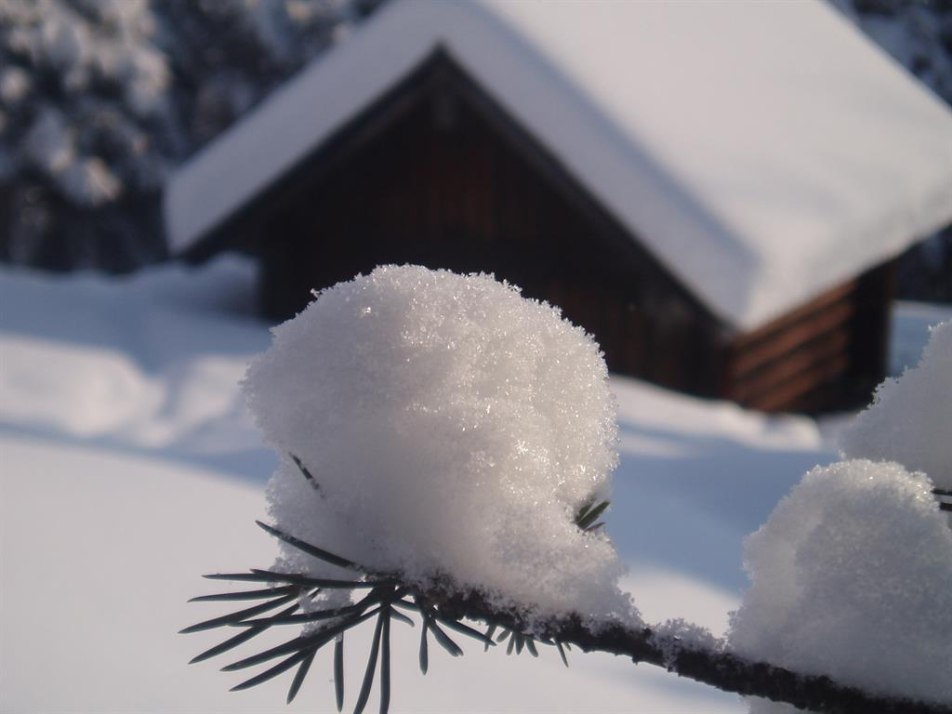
[(126, 524), (100, 551)]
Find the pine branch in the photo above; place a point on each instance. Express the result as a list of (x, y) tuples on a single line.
[(941, 493), (441, 604), (720, 669)]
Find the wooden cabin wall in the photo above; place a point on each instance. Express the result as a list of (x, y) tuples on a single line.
[(828, 354), (437, 176)]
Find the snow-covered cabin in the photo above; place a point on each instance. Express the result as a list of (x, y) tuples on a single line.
[(716, 190)]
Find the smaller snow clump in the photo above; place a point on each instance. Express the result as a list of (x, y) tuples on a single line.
[(454, 429), (910, 420), (850, 576)]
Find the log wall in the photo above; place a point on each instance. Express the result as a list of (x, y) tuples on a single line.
[(828, 354)]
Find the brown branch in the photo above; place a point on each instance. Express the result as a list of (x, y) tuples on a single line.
[(718, 668), (713, 665)]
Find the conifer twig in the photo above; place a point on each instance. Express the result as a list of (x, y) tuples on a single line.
[(724, 670)]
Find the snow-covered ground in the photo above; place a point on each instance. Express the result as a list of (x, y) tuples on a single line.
[(128, 467)]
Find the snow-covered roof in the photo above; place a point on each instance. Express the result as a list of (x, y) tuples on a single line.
[(763, 152)]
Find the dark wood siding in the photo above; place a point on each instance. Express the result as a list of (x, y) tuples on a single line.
[(827, 354)]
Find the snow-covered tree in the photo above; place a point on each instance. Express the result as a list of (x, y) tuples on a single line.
[(446, 450), (83, 90), (99, 99)]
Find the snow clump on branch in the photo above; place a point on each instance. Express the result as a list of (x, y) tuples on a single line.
[(850, 576), (910, 420), (453, 429)]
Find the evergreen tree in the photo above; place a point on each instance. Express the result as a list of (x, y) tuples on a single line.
[(99, 99)]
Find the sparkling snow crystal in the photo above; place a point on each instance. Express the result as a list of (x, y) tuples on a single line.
[(454, 429)]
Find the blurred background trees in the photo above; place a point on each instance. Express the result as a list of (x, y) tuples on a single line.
[(100, 99)]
